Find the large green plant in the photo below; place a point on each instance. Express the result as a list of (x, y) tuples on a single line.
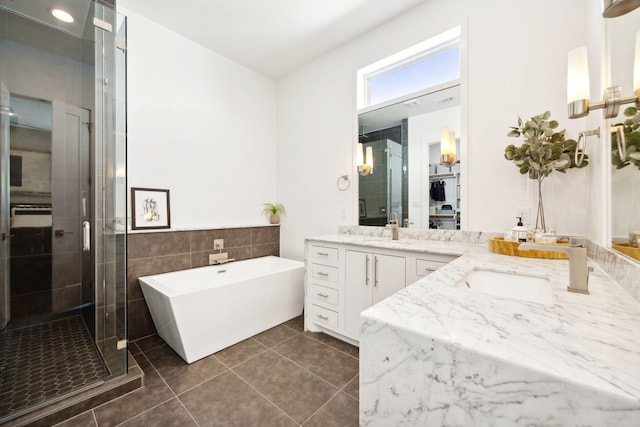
[(632, 140), (543, 151)]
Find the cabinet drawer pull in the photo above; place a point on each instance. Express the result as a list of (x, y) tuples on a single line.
[(323, 317), (366, 270), (323, 253), (320, 273), (323, 295), (375, 272)]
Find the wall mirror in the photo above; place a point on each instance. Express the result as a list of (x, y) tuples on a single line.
[(403, 137), (625, 181)]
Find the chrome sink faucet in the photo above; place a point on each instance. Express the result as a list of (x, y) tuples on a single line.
[(577, 251), (393, 224)]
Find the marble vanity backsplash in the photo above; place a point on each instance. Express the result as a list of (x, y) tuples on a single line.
[(618, 267), (458, 236)]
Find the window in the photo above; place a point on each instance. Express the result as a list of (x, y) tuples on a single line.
[(427, 64)]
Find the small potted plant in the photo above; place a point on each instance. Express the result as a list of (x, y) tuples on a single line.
[(273, 212)]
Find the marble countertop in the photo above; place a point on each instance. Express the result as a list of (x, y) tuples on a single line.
[(590, 340), (410, 245)]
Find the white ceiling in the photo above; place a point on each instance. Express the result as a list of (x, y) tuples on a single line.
[(272, 37)]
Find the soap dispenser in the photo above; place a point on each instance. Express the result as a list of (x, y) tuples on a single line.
[(519, 232)]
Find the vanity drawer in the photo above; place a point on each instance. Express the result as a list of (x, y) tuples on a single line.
[(323, 253), (323, 316), (324, 272), (323, 294), (425, 267)]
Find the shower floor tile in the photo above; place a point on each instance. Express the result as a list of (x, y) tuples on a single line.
[(41, 363)]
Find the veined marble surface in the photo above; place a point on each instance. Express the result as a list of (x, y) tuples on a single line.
[(403, 244), (622, 269), (420, 234), (438, 354)]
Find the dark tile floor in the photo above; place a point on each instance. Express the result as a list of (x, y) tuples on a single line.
[(281, 377), (43, 362)]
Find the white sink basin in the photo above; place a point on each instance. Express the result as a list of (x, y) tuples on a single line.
[(526, 287)]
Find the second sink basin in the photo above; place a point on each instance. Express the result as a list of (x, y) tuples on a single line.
[(526, 287)]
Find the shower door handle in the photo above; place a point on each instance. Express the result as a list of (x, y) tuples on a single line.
[(86, 236)]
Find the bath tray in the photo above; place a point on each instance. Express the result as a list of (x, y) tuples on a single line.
[(500, 246), (625, 249)]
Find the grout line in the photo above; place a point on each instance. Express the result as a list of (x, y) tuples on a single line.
[(95, 419), (145, 411), (175, 396), (307, 370), (202, 382), (349, 382), (188, 412), (321, 406), (262, 394), (330, 346), (150, 348)]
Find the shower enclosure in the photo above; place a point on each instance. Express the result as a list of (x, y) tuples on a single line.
[(62, 200)]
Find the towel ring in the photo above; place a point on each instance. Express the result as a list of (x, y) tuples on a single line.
[(343, 183), (621, 141), (582, 148)]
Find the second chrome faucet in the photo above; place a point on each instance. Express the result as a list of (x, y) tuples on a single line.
[(578, 269)]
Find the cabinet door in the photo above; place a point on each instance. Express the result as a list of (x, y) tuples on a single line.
[(358, 294), (388, 276)]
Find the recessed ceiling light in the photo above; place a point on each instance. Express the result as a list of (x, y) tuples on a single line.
[(62, 15)]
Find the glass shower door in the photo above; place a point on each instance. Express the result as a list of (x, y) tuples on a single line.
[(62, 284), (5, 294)]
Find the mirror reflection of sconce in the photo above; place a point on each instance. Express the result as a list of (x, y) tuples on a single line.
[(447, 147), (615, 8), (581, 146), (621, 142), (365, 165), (578, 86)]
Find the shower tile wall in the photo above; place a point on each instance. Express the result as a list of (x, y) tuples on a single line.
[(162, 252)]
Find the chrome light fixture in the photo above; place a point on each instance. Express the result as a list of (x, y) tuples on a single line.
[(615, 8), (578, 102), (447, 147), (365, 167)]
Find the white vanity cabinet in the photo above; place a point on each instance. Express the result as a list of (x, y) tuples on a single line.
[(342, 280), (369, 278), (324, 294), (423, 264)]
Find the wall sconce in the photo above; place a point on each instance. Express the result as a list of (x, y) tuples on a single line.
[(615, 8), (578, 86), (447, 147), (365, 167)]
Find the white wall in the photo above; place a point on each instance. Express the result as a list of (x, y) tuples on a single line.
[(199, 125), (516, 65)]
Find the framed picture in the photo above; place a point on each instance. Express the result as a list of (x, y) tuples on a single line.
[(150, 209), (363, 209)]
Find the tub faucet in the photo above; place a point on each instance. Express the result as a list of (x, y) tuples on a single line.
[(393, 224), (577, 251)]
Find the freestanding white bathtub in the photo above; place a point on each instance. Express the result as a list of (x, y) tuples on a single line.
[(203, 310)]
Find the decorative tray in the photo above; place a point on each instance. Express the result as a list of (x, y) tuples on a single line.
[(500, 246), (627, 250)]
